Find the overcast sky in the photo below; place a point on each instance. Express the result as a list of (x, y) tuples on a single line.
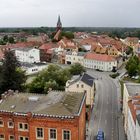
[(86, 13)]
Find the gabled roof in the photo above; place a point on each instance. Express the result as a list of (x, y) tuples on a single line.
[(87, 79), (99, 57)]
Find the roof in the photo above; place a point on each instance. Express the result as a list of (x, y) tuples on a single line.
[(87, 79), (133, 88), (24, 49), (99, 57), (55, 103)]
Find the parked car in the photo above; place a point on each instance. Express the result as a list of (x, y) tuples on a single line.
[(100, 135)]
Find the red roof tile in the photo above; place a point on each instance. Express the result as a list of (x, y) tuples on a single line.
[(99, 57)]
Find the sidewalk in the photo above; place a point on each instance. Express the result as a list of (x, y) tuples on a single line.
[(120, 115)]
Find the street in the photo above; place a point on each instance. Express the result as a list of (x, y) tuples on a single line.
[(105, 114)]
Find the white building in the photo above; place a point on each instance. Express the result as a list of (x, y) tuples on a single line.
[(29, 55), (100, 61), (130, 90), (74, 57), (133, 130), (33, 68)]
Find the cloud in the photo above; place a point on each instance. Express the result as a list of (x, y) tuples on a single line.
[(73, 13)]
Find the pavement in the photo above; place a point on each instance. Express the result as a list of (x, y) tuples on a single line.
[(106, 113)]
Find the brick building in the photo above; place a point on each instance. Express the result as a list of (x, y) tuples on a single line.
[(56, 116)]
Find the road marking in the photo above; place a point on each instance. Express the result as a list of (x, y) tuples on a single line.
[(101, 110)]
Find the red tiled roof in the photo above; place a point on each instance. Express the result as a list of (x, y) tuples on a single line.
[(99, 57)]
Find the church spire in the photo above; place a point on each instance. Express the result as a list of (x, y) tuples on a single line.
[(59, 24)]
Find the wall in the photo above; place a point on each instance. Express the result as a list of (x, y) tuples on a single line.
[(89, 90)]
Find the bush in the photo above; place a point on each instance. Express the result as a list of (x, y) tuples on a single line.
[(114, 75)]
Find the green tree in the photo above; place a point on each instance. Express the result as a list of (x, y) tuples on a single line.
[(132, 66), (12, 77), (76, 69), (53, 77), (11, 40), (5, 38)]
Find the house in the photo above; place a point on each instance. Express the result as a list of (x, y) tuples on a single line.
[(47, 52), (83, 83), (55, 116), (102, 62), (130, 90), (29, 55), (74, 57), (33, 68), (132, 109)]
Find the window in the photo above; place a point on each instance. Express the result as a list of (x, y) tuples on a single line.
[(77, 85), (10, 124), (23, 138), (82, 86), (52, 134), (23, 126), (39, 133), (1, 123), (1, 137), (11, 137), (66, 135)]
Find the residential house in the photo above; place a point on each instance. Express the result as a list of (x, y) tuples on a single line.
[(29, 55), (55, 116), (130, 90), (83, 83), (102, 62), (74, 57), (131, 41), (47, 51)]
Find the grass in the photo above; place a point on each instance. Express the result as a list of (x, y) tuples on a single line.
[(130, 79)]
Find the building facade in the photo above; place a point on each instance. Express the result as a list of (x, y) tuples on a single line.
[(29, 55), (130, 90), (74, 57), (25, 116), (100, 61)]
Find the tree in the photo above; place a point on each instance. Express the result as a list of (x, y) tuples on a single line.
[(53, 77), (76, 69), (11, 40), (5, 38), (12, 77), (132, 66)]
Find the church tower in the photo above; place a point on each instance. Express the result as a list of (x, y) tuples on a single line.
[(59, 24)]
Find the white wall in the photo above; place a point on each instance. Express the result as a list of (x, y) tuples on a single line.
[(131, 131), (30, 56), (137, 131), (101, 65), (89, 90), (34, 69), (125, 108), (74, 58)]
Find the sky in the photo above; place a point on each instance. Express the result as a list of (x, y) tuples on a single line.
[(73, 13)]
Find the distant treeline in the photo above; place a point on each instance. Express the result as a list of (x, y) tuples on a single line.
[(112, 32)]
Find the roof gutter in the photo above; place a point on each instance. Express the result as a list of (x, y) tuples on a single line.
[(81, 105)]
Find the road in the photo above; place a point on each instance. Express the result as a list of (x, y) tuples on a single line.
[(105, 114)]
